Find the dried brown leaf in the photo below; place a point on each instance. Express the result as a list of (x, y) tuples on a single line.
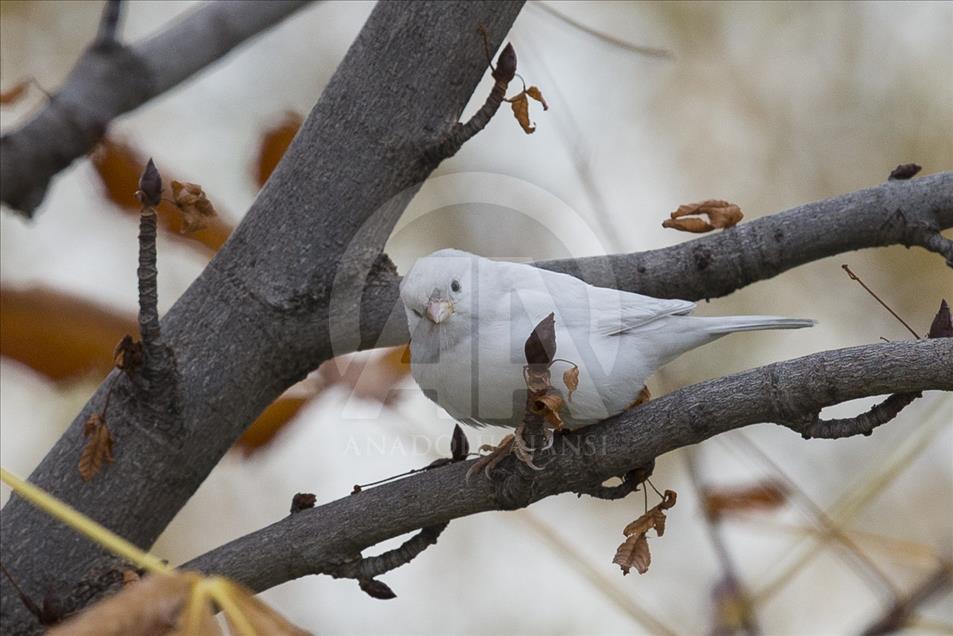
[(571, 380), (548, 405), (130, 576), (151, 606), (633, 553), (721, 214), (98, 449), (15, 93), (274, 143), (195, 207), (117, 166), (520, 106), (128, 353), (534, 92), (765, 495)]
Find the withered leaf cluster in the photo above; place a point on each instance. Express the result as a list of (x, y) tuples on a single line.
[(721, 215), (98, 449), (520, 105), (540, 352), (634, 551), (195, 207)]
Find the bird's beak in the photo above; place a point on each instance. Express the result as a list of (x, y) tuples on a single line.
[(439, 310)]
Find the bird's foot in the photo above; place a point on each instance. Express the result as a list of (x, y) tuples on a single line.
[(512, 444)]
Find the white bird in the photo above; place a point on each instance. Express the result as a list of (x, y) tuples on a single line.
[(469, 319)]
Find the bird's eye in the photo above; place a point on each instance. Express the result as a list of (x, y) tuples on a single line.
[(455, 286)]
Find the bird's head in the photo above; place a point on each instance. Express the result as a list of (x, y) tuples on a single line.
[(439, 289)]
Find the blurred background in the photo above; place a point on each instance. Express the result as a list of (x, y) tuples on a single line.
[(767, 105)]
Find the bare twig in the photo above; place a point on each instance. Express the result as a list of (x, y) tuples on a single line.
[(855, 277), (864, 424), (687, 416), (111, 79), (460, 133), (611, 39)]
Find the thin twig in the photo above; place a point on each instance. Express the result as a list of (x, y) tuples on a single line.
[(730, 582), (611, 39), (855, 277)]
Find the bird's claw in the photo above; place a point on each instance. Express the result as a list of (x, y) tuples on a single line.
[(512, 444)]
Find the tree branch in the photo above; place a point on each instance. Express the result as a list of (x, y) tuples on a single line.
[(111, 79), (273, 301), (778, 392), (911, 212)]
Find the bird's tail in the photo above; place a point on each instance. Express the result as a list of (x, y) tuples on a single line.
[(730, 324)]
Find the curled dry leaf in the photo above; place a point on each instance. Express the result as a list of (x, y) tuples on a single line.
[(15, 93), (765, 495), (548, 405), (721, 214), (535, 93), (98, 449), (634, 551), (195, 207), (520, 105), (571, 380), (128, 353)]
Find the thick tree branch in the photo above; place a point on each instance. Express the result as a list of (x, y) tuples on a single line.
[(779, 392), (279, 296), (111, 79), (911, 212)]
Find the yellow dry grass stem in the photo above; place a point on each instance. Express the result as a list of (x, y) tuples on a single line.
[(84, 525)]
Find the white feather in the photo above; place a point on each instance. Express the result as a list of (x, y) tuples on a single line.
[(472, 363)]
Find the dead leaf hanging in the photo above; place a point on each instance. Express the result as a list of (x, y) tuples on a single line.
[(634, 551), (571, 380), (195, 206)]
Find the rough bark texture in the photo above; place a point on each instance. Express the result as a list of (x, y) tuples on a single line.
[(910, 213), (257, 319), (310, 541), (111, 79)]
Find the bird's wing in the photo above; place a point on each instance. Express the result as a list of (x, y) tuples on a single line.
[(616, 312), (607, 311)]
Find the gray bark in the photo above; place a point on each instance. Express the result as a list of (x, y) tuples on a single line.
[(257, 319), (111, 79), (316, 540)]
